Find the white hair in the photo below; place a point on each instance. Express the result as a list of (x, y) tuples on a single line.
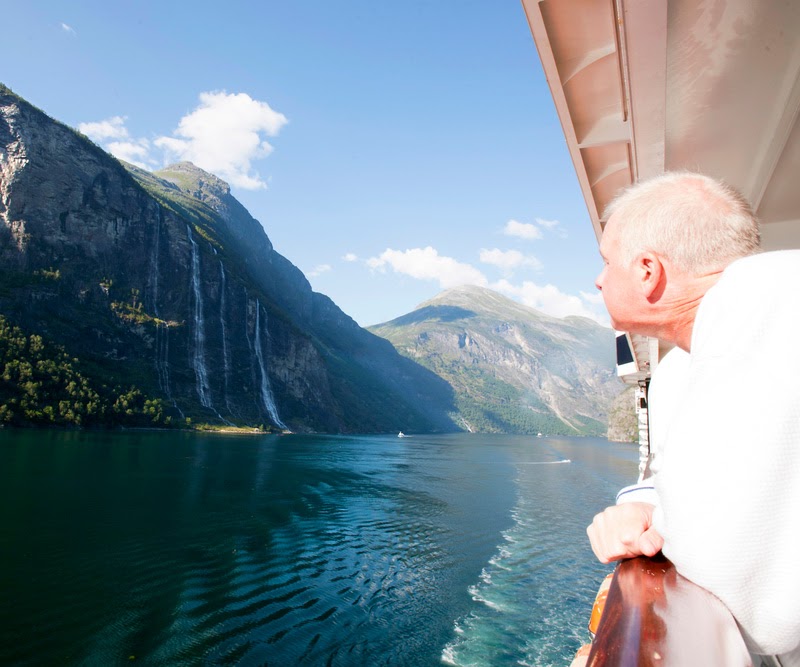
[(696, 222)]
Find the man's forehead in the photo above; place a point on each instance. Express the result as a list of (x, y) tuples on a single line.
[(612, 222), (609, 234)]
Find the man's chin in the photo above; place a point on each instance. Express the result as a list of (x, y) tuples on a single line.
[(617, 325), (631, 327)]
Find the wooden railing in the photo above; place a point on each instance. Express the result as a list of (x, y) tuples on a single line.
[(655, 617)]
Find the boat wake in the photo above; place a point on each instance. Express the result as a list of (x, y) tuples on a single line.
[(520, 606)]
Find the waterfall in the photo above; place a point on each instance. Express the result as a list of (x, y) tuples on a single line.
[(162, 337), (198, 359), (162, 363), (154, 255), (162, 357), (226, 354), (266, 391)]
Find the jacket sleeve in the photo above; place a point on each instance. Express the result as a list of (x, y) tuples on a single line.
[(643, 492)]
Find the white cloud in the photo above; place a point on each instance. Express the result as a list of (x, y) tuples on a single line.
[(350, 257), (550, 300), (135, 151), (68, 28), (428, 264), (595, 298), (523, 230), (553, 226), (224, 135), (530, 231), (112, 134), (110, 128), (319, 269), (508, 260)]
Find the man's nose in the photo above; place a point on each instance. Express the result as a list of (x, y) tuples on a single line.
[(598, 282)]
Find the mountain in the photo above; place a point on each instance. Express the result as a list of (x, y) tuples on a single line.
[(165, 283), (623, 420), (513, 369)]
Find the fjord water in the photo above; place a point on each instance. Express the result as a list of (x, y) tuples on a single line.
[(167, 548)]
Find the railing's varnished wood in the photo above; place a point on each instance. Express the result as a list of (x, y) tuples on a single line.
[(655, 617)]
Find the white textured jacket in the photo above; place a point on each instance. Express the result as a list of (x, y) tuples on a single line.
[(725, 429)]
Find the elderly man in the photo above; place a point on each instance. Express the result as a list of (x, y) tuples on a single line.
[(682, 265)]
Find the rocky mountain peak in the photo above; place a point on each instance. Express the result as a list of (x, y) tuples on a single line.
[(512, 368), (486, 300), (193, 180)]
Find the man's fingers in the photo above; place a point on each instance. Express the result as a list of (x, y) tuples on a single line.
[(623, 531), (650, 542), (605, 542)]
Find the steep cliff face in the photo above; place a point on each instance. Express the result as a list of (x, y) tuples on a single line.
[(513, 369), (166, 282), (623, 422)]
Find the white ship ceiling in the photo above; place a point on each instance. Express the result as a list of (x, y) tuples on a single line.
[(643, 86)]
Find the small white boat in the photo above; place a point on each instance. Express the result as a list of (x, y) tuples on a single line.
[(401, 435)]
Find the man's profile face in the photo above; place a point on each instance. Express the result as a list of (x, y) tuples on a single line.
[(616, 281)]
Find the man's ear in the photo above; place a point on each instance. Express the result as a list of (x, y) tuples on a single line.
[(650, 274)]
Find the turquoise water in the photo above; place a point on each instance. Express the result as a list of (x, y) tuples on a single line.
[(166, 548)]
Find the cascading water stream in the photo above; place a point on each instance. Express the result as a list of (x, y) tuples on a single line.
[(162, 355), (162, 339), (226, 354), (162, 328), (266, 391), (198, 359), (154, 255)]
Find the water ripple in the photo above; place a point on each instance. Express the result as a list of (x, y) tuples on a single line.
[(293, 551)]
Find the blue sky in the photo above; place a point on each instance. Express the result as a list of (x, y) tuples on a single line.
[(390, 150)]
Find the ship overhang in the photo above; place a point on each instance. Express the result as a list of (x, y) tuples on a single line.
[(647, 86)]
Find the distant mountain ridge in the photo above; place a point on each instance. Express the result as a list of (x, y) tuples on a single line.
[(164, 281), (512, 368), (162, 287)]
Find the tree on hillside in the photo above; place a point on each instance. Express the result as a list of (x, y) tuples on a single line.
[(41, 384)]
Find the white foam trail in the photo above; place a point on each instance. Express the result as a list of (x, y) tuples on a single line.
[(448, 656), (503, 603), (477, 597), (495, 562)]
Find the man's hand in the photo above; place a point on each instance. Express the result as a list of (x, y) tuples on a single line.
[(624, 531)]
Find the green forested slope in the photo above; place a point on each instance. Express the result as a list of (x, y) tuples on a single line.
[(42, 385)]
